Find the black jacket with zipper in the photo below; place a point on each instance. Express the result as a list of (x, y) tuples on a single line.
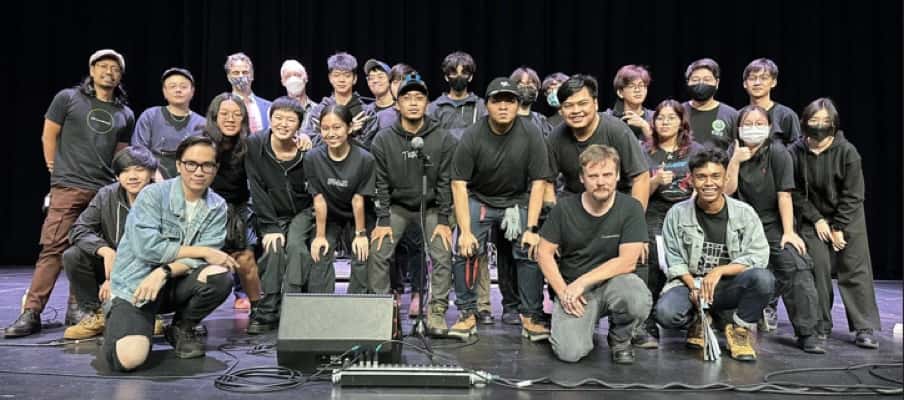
[(278, 190), (399, 173), (829, 185), (103, 222)]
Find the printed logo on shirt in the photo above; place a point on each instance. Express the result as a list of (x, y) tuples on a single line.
[(712, 255), (337, 182), (100, 121), (409, 154), (718, 128)]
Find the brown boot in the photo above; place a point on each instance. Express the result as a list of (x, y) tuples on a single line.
[(534, 329), (741, 342), (90, 326), (464, 328), (695, 335)]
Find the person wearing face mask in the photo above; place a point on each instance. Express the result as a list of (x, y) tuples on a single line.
[(240, 73), (83, 128), (160, 129), (294, 78), (760, 78), (282, 206), (550, 86), (529, 86), (631, 84), (714, 123), (828, 200), (458, 108), (227, 126), (761, 174)]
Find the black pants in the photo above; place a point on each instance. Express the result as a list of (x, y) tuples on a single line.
[(86, 274), (507, 274), (190, 299), (794, 282), (407, 262), (855, 277)]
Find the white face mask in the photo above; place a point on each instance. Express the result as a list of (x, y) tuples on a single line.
[(295, 86), (753, 135)]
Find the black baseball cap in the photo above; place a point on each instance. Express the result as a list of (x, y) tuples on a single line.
[(412, 81), (503, 85), (177, 71)]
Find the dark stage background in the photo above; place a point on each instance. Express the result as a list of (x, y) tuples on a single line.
[(850, 51)]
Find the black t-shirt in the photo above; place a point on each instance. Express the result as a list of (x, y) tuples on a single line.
[(340, 181), (715, 228), (500, 168), (231, 181), (714, 128), (565, 152), (586, 241), (681, 187), (785, 123), (90, 130), (760, 178)]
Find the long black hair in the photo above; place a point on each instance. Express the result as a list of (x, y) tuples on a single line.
[(211, 130)]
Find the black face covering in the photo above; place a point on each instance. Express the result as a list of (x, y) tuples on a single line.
[(819, 133), (528, 94), (458, 83), (701, 91)]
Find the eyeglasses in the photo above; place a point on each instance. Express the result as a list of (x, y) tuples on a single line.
[(208, 167), (377, 77), (636, 86)]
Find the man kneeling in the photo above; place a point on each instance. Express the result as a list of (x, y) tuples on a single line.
[(720, 241), (599, 234), (168, 261)]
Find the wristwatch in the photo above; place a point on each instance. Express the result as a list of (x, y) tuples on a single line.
[(167, 271), (361, 233), (533, 229)]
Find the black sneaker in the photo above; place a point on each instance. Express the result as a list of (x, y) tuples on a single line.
[(186, 343), (511, 317), (28, 323), (811, 344), (643, 340), (866, 340), (259, 325), (623, 356), (485, 317)]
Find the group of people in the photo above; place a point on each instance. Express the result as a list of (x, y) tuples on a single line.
[(636, 214)]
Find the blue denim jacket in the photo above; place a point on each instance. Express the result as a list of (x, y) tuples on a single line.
[(156, 229), (683, 238)]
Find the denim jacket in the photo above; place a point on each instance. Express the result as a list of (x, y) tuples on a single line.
[(156, 229), (683, 238)]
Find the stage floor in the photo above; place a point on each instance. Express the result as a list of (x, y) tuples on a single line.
[(38, 372)]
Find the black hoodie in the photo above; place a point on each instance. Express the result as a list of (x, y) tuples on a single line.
[(829, 185), (103, 222), (278, 189), (398, 180)]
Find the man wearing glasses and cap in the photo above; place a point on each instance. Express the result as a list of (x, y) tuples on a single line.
[(160, 129), (499, 174), (83, 128)]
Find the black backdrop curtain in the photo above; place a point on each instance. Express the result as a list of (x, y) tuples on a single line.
[(850, 51)]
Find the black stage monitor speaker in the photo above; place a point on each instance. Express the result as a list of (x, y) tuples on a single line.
[(315, 330)]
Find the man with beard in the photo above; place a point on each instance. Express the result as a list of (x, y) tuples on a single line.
[(398, 195), (599, 236), (714, 123), (498, 179), (240, 73), (83, 128)]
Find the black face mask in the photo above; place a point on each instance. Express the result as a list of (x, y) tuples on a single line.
[(701, 91), (818, 133), (528, 94), (459, 83)]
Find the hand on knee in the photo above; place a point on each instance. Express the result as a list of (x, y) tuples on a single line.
[(132, 351)]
